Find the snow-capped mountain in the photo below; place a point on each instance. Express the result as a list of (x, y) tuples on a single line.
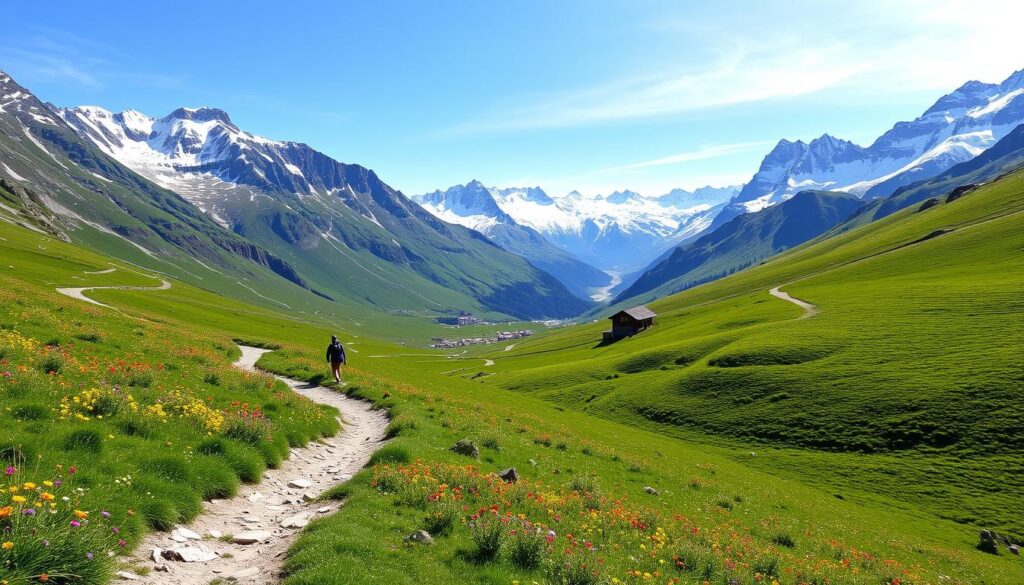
[(620, 232), (340, 224), (958, 127)]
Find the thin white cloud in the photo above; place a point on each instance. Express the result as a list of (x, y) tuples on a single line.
[(878, 49), (702, 153)]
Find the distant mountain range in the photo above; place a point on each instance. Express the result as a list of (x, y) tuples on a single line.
[(957, 128), (192, 187), (617, 233)]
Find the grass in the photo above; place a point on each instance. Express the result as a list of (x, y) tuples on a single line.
[(793, 427)]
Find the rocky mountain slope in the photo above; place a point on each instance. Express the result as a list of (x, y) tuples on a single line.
[(957, 128), (338, 224), (745, 240)]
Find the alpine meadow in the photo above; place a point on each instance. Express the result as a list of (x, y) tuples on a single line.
[(602, 302)]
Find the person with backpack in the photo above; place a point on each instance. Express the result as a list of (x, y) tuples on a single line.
[(336, 357)]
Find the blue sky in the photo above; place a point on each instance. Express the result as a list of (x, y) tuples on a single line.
[(586, 95)]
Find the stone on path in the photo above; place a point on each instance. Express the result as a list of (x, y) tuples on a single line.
[(188, 554), (300, 483), (244, 573), (254, 496), (250, 537), (297, 521), (185, 533), (215, 534), (324, 510)]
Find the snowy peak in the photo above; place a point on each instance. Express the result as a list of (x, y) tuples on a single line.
[(624, 230), (958, 127), (201, 114)]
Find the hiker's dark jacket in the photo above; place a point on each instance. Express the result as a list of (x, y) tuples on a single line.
[(336, 353)]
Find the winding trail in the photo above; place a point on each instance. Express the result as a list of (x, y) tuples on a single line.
[(78, 292), (810, 309), (271, 513)]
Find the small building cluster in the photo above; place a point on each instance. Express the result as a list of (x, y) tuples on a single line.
[(629, 322), (459, 320), (442, 343)]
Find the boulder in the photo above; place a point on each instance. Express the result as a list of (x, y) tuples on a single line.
[(648, 489), (467, 448), (299, 483), (1014, 549), (509, 475), (987, 542), (420, 536)]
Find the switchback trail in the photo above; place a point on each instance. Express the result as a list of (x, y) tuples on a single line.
[(245, 538), (810, 309), (78, 292)]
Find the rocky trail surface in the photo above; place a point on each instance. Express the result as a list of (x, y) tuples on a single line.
[(245, 538)]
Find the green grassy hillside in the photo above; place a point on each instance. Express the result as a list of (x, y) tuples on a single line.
[(899, 387), (744, 241), (771, 492)]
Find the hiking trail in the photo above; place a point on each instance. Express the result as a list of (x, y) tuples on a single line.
[(245, 538), (810, 309)]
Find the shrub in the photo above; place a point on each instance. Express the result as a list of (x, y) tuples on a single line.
[(488, 532), (212, 378), (141, 379), (390, 454), (252, 431), (442, 516), (697, 560), (527, 546), (544, 440), (90, 336), (572, 572), (767, 565), (137, 427), (88, 440), (51, 364), (784, 539), (491, 442), (725, 503), (31, 412)]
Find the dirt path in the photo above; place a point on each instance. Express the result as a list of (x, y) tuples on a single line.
[(78, 292), (810, 310), (269, 515), (510, 347)]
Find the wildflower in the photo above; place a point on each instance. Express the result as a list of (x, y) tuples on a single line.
[(29, 485), (5, 512), (72, 470), (46, 496), (8, 545), (18, 499), (88, 555), (29, 512), (105, 514), (121, 542), (44, 577), (11, 470), (75, 523), (81, 515)]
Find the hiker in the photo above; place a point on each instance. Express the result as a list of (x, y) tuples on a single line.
[(336, 357)]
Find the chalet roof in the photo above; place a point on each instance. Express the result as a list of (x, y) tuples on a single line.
[(639, 313)]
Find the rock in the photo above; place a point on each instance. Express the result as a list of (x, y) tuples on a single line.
[(323, 510), (509, 475), (651, 490), (467, 448), (987, 542), (532, 462), (420, 536), (1014, 549), (215, 534), (245, 573), (297, 521), (250, 537), (300, 483), (308, 497), (254, 496), (188, 554), (128, 575), (161, 568), (185, 534), (177, 537), (156, 555)]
